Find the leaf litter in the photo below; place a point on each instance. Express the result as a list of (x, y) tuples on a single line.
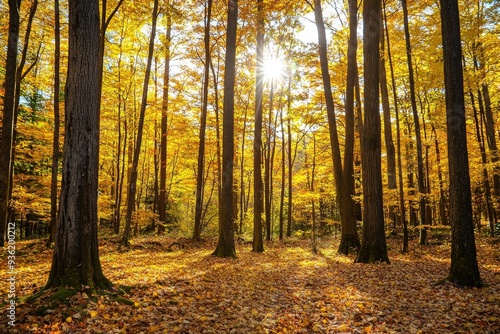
[(286, 289)]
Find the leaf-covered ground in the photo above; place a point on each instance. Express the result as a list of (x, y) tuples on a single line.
[(287, 289)]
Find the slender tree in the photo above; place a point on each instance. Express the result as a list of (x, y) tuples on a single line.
[(75, 262), (257, 244), (373, 245), (464, 269), (137, 149), (162, 198), (343, 176), (402, 210), (225, 245), (57, 123), (203, 125), (416, 122), (389, 142)]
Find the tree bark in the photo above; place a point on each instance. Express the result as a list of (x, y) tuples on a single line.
[(225, 245), (464, 269), (75, 262), (373, 246)]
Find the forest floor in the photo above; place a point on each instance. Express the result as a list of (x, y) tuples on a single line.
[(287, 289)]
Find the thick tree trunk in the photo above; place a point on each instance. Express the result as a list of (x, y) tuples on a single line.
[(225, 245), (373, 246), (464, 269), (75, 262)]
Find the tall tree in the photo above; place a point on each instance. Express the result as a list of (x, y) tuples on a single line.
[(57, 123), (416, 121), (162, 198), (75, 262), (225, 245), (7, 140), (402, 209), (200, 180), (132, 187), (389, 142), (464, 269), (343, 176), (373, 245)]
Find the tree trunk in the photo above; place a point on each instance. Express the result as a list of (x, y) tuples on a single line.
[(373, 246), (162, 199), (243, 207), (57, 125), (6, 144), (137, 149), (283, 163), (225, 245), (344, 177), (402, 211), (290, 164), (464, 269), (268, 170), (200, 183), (257, 244), (443, 217), (492, 142), (389, 142), (313, 202), (75, 262), (420, 162)]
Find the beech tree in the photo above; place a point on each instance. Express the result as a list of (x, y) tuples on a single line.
[(464, 269), (75, 262)]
